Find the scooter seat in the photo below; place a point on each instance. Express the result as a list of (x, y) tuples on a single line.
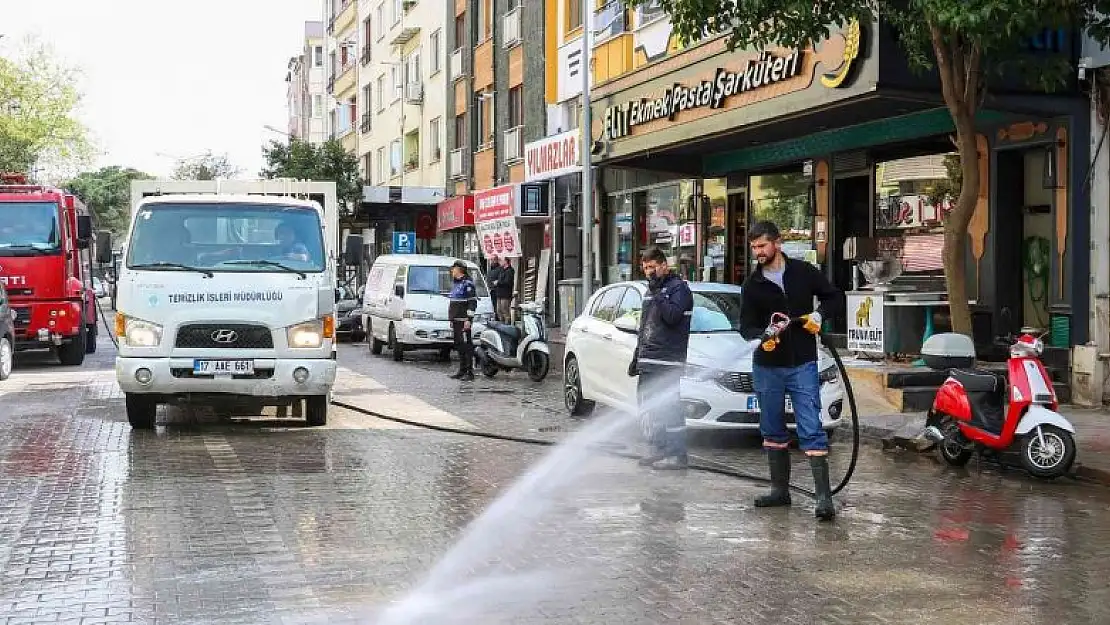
[(507, 329), (979, 380)]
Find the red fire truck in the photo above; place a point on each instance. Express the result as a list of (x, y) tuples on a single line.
[(43, 234)]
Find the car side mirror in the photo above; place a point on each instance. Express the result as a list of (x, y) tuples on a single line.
[(398, 290), (353, 251), (627, 323), (104, 248)]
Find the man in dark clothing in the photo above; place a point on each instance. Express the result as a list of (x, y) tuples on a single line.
[(492, 275), (463, 302), (788, 364), (504, 287), (659, 359)]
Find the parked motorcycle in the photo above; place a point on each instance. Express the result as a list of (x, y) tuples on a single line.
[(977, 410), (505, 346)]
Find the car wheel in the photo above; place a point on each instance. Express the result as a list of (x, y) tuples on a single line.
[(572, 390), (7, 357), (395, 345)]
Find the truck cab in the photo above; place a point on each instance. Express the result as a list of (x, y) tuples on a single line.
[(227, 298), (43, 234)]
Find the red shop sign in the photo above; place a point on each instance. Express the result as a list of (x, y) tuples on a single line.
[(456, 212)]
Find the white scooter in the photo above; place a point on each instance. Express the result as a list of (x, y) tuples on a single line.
[(504, 346)]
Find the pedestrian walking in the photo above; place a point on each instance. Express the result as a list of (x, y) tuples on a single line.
[(493, 274), (506, 284), (463, 300), (788, 286), (659, 359)]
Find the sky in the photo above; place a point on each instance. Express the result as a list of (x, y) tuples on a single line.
[(165, 79)]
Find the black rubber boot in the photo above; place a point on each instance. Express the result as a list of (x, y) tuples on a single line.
[(672, 463), (457, 375), (654, 456), (778, 460), (824, 510)]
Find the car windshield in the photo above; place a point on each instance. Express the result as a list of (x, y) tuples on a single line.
[(28, 228), (715, 311), (221, 236), (427, 279)]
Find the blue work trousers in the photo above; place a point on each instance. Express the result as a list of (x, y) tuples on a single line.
[(772, 384)]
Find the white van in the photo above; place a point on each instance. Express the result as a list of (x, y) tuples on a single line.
[(405, 303)]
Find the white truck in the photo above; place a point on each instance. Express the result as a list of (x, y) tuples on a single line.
[(226, 296)]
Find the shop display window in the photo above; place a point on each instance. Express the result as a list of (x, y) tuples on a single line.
[(784, 198), (913, 197)]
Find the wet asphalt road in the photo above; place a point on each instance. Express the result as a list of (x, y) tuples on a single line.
[(206, 521)]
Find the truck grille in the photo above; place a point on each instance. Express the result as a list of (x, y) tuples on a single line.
[(737, 382), (229, 335), (22, 316)]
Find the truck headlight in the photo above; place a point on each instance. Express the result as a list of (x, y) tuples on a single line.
[(139, 333), (310, 334), (416, 314)]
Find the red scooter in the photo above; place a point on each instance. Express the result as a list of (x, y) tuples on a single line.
[(977, 410)]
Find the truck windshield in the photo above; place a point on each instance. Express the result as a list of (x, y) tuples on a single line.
[(425, 279), (29, 228), (227, 237)]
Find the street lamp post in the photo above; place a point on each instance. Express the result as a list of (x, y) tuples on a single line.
[(587, 216)]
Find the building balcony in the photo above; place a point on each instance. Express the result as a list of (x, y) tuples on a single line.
[(403, 35), (345, 18), (514, 144), (455, 164), (609, 21), (510, 28), (350, 141), (345, 81)]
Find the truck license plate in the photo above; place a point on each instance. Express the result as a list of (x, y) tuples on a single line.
[(223, 367), (753, 404)]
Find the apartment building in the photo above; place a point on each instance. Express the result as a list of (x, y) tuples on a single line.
[(306, 87), (343, 68), (493, 112)]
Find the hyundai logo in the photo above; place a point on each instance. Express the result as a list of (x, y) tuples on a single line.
[(225, 336)]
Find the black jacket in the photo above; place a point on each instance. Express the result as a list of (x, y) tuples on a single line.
[(492, 276), (665, 321), (761, 298), (505, 282), (463, 299)]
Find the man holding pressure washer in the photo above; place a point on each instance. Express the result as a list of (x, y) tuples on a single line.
[(777, 308)]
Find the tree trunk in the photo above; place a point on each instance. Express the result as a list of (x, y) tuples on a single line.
[(955, 230)]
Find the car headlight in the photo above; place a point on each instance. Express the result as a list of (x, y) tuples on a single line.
[(310, 334), (829, 374), (702, 374), (416, 314), (138, 333)]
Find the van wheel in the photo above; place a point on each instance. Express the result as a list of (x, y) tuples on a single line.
[(395, 345), (90, 339), (141, 411), (375, 344), (316, 410), (72, 354)]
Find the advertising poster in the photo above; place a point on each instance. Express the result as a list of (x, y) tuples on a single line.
[(865, 322), (495, 222)]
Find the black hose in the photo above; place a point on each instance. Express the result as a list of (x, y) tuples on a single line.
[(718, 469)]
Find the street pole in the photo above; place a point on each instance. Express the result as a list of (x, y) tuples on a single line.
[(587, 216)]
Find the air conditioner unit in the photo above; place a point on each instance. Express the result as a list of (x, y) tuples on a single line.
[(414, 93)]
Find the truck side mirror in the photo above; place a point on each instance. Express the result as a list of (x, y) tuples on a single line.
[(353, 251), (84, 230), (104, 248)]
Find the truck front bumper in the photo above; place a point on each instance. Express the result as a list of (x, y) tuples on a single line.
[(271, 378)]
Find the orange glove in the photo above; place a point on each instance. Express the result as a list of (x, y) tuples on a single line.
[(770, 344), (813, 322)]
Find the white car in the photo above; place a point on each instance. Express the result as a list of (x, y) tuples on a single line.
[(716, 387)]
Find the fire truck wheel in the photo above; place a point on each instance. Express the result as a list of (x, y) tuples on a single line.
[(90, 339), (141, 411), (72, 354)]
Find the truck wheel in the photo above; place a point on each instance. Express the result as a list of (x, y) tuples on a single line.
[(72, 354), (316, 410), (90, 339), (141, 411), (7, 356)]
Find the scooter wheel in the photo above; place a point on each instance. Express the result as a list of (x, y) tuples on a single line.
[(1048, 455), (952, 449), (489, 369)]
